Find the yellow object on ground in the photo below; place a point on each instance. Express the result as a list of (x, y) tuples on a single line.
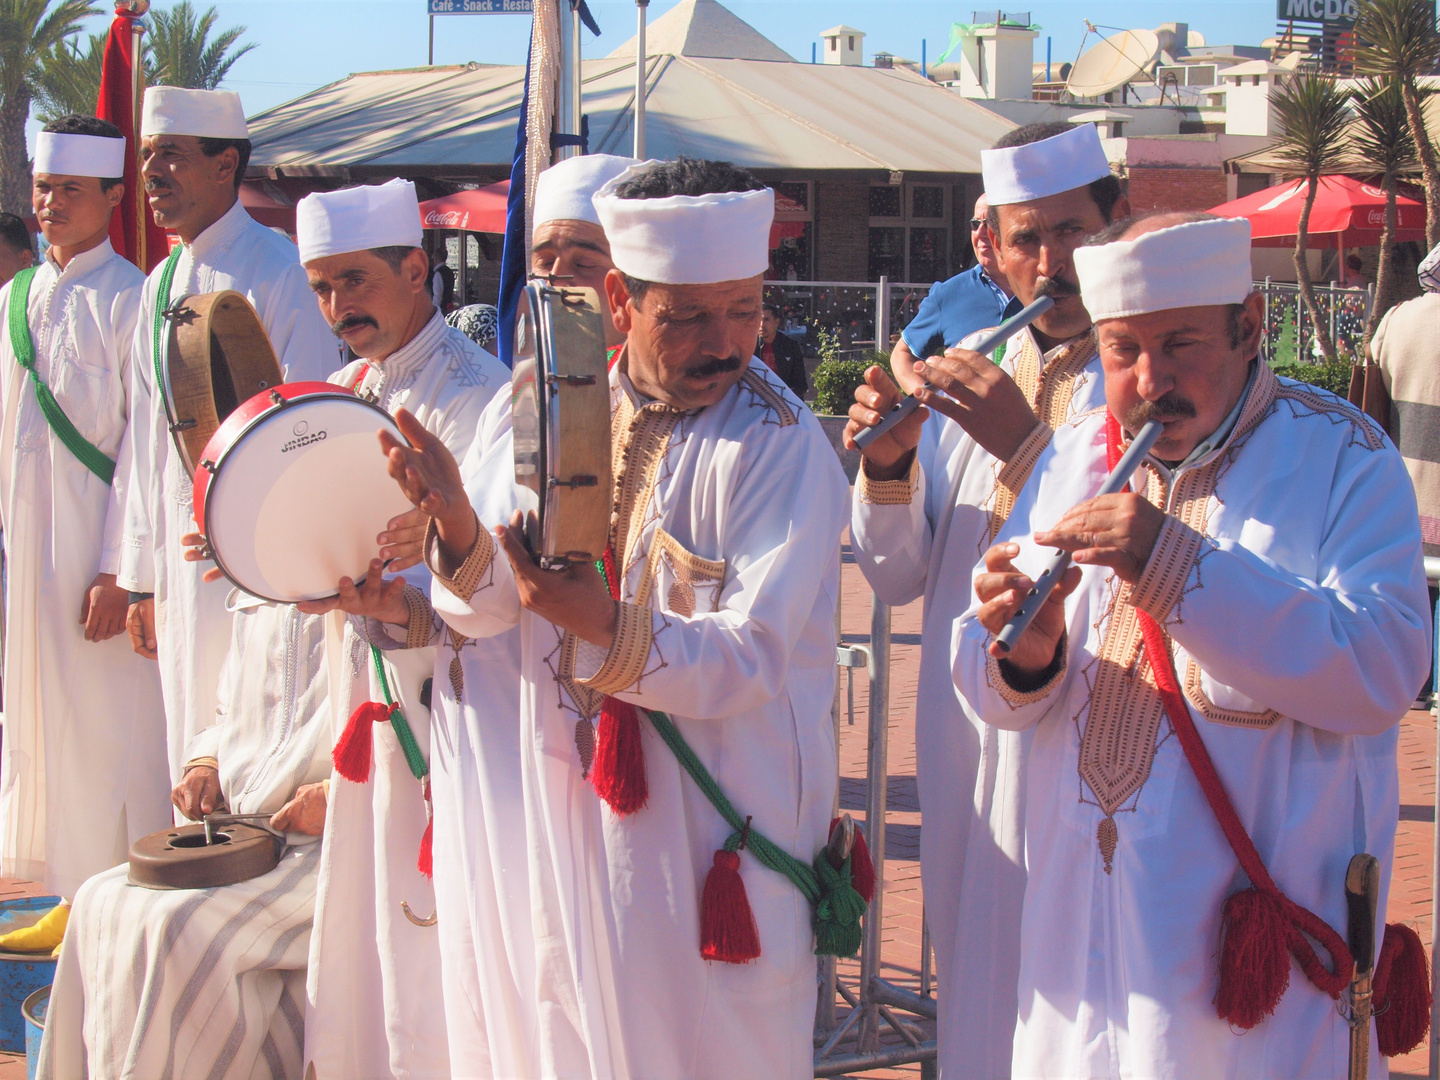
[(45, 936)]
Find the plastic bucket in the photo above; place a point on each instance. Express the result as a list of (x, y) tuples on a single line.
[(33, 1011), (21, 974)]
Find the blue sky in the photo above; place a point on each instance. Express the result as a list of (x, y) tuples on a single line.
[(303, 44)]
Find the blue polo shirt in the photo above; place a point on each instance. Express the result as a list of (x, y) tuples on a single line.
[(954, 309)]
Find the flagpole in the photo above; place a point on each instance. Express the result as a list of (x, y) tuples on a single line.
[(137, 8), (640, 6), (567, 100)]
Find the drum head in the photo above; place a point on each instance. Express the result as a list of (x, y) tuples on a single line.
[(296, 500), (217, 357), (179, 858)]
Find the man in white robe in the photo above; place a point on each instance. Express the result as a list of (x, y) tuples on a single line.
[(195, 145), (375, 1006), (83, 770), (1272, 557), (210, 983), (927, 502), (729, 506)]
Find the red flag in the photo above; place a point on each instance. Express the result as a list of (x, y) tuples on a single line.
[(117, 105)]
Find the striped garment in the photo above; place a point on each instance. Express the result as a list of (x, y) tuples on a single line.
[(1407, 347), (189, 983)]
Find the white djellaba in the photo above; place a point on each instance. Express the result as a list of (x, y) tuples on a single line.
[(1288, 584), (84, 770), (152, 491)]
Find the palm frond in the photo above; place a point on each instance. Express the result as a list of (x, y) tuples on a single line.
[(184, 53), (1382, 137), (1398, 38), (1313, 111)]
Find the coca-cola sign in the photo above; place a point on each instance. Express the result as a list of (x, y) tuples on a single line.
[(446, 219)]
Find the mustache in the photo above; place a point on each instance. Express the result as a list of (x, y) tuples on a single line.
[(350, 322), (154, 183), (1054, 287), (718, 366), (1171, 406)]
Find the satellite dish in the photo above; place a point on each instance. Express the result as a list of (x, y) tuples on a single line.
[(1113, 62), (1195, 40)]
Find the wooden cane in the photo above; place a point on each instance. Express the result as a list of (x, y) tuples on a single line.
[(1362, 895)]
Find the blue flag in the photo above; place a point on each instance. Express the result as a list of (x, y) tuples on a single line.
[(514, 259)]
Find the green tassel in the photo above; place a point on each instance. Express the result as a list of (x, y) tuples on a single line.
[(839, 911)]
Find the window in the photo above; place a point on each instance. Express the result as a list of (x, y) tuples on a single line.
[(909, 232), (834, 43), (791, 236), (851, 39)]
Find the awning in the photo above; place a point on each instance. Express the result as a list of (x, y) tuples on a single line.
[(480, 210), (266, 209), (1347, 213)]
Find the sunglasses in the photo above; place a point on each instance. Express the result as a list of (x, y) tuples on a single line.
[(975, 223)]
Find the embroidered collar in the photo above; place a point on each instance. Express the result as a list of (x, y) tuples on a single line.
[(221, 233), (82, 263), (414, 354)]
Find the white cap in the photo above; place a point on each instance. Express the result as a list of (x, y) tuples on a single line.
[(357, 219), (565, 190), (1062, 162), (208, 114), (687, 239), (1197, 264), (79, 155)]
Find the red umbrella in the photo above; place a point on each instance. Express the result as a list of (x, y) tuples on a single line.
[(1348, 213), (481, 210), (265, 209)]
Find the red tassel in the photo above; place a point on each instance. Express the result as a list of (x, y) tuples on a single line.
[(352, 753), (618, 771), (727, 926), (862, 867), (1254, 958), (1402, 992), (426, 864)]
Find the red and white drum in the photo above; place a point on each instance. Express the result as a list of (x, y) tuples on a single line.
[(292, 489)]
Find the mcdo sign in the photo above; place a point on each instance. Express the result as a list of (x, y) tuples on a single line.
[(1332, 11)]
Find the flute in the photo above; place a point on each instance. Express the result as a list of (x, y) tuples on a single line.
[(985, 346), (1046, 582)]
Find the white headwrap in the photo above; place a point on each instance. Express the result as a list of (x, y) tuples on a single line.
[(1197, 264), (79, 155), (566, 190), (1062, 162), (209, 114), (687, 239), (1429, 270), (357, 219)]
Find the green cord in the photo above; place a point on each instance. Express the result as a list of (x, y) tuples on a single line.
[(162, 302), (416, 760), (836, 907)]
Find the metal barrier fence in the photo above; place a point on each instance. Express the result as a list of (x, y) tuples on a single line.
[(848, 309), (1290, 333)]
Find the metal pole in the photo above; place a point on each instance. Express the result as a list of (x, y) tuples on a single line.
[(137, 95), (1432, 572), (640, 6), (431, 60), (567, 101), (882, 314), (825, 1002), (876, 775)]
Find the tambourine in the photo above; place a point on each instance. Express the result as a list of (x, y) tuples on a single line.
[(218, 356), (560, 412), (186, 858), (292, 490)]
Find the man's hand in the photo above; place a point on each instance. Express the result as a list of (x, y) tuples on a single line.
[(982, 399), (888, 457), (902, 363), (103, 610), (197, 549), (575, 599), (305, 813), (377, 598), (401, 544), (1118, 531), (1001, 589), (430, 478), (198, 792), (140, 623)]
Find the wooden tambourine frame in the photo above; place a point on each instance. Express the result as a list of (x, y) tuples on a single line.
[(179, 858), (217, 357), (561, 415)]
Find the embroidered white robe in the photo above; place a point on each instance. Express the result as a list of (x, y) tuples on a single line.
[(1289, 578), (727, 531), (374, 995), (83, 769), (151, 500), (923, 536), (201, 983)]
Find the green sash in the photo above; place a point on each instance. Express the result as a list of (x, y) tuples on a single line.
[(87, 453)]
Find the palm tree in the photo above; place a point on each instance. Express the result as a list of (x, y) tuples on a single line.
[(183, 53), (1400, 41), (1313, 112), (28, 30), (69, 79), (1383, 139)]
